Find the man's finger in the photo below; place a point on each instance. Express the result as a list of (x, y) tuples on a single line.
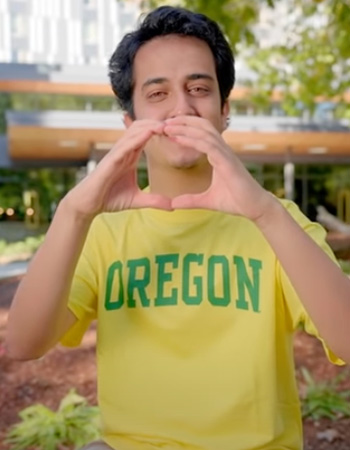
[(132, 142), (200, 145), (190, 131), (194, 121), (146, 200), (190, 201)]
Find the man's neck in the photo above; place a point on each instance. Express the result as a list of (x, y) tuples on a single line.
[(173, 182)]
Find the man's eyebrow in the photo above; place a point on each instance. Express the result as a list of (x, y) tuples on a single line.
[(200, 76), (192, 76), (158, 80)]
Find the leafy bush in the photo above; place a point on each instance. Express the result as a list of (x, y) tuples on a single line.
[(324, 400), (28, 246), (3, 246), (73, 425)]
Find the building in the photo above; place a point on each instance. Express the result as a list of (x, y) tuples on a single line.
[(61, 110), (41, 133), (78, 32)]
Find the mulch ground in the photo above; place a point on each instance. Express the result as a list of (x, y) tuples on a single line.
[(49, 379)]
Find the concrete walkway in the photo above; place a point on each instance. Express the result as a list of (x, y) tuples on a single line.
[(13, 269), (13, 232)]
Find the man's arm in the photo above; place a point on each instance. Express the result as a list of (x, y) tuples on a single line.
[(39, 315), (318, 281), (321, 286)]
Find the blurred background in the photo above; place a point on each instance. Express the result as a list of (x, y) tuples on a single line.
[(290, 108), (290, 125)]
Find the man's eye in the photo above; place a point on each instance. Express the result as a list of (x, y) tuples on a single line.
[(198, 90), (157, 95)]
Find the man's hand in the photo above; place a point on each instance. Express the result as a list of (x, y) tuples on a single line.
[(233, 190), (112, 186), (43, 293)]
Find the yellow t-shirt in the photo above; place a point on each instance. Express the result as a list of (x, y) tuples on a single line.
[(195, 326)]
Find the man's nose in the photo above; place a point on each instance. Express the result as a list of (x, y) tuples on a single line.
[(183, 105)]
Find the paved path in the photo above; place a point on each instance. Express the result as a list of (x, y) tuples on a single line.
[(13, 269), (14, 232)]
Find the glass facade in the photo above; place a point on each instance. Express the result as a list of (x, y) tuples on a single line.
[(63, 31)]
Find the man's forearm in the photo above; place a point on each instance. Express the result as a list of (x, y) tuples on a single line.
[(39, 314), (320, 284)]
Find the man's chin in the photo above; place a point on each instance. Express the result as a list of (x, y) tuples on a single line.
[(187, 160), (178, 157), (185, 165)]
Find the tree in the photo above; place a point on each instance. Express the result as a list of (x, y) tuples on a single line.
[(50, 184), (5, 104), (312, 60), (236, 17)]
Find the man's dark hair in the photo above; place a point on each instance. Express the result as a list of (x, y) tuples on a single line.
[(163, 21)]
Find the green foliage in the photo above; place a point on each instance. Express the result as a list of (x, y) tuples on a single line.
[(337, 180), (5, 104), (39, 101), (28, 246), (324, 400), (311, 62), (235, 17), (74, 424), (11, 189), (51, 185), (312, 59)]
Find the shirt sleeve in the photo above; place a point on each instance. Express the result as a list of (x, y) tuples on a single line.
[(299, 316), (83, 294)]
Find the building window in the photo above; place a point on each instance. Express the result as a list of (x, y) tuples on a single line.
[(91, 60), (90, 3), (18, 26), (19, 56), (14, 56), (90, 33)]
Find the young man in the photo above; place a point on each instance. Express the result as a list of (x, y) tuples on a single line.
[(197, 283)]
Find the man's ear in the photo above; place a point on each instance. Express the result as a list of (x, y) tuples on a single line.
[(225, 115), (127, 120)]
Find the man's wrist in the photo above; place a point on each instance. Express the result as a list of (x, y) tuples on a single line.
[(272, 215), (66, 208)]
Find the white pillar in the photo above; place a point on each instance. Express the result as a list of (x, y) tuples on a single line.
[(305, 189), (91, 166), (289, 172)]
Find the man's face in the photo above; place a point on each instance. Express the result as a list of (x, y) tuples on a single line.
[(175, 75)]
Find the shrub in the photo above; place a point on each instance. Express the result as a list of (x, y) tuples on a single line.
[(74, 424), (28, 246), (324, 400)]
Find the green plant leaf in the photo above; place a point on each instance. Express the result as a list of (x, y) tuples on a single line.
[(324, 400), (75, 423)]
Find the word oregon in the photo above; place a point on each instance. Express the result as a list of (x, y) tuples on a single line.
[(189, 279)]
